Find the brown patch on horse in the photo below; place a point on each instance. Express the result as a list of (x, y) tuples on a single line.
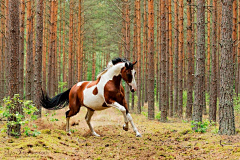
[(126, 75), (114, 92), (94, 83), (80, 91), (95, 91)]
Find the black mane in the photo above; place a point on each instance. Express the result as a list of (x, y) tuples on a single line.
[(117, 60)]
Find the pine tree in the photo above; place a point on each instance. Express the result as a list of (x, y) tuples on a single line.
[(226, 111)]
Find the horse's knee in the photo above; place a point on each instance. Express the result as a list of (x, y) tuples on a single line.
[(72, 112)]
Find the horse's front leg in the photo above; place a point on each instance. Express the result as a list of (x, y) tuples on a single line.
[(127, 117)]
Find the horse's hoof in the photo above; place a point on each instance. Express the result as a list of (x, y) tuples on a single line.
[(125, 128), (95, 134), (138, 135), (69, 133)]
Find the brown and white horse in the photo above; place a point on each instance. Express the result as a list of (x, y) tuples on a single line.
[(107, 91)]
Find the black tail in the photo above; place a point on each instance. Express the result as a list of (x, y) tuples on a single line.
[(57, 102)]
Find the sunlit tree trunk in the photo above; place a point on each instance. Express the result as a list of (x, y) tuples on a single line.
[(138, 22), (146, 51), (63, 50), (70, 53), (144, 74), (79, 41), (29, 59), (151, 59), (170, 60), (180, 63), (238, 53), (226, 111)]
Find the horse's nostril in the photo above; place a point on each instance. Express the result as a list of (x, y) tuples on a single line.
[(132, 90)]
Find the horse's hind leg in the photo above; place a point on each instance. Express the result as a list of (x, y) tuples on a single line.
[(74, 109), (88, 118)]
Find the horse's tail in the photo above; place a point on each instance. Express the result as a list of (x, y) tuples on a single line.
[(57, 102)]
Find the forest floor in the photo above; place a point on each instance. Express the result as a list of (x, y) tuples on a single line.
[(172, 140)]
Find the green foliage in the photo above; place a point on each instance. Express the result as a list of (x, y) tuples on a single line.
[(52, 119), (62, 85), (145, 114), (201, 126), (158, 115), (236, 103), (24, 119)]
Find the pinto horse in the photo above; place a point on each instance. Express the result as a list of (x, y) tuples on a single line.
[(105, 92)]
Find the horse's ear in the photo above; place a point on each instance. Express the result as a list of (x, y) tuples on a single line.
[(126, 65), (134, 62)]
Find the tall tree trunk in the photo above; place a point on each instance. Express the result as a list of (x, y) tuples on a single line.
[(146, 52), (151, 59), (79, 40), (14, 26), (38, 57), (138, 22), (170, 60), (234, 38), (70, 53), (213, 86), (238, 53), (44, 58), (200, 65), (64, 54), (21, 49), (29, 63), (226, 111), (180, 63), (190, 61), (175, 98), (2, 55), (163, 64), (208, 45)]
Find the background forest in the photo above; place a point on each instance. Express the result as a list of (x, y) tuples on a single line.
[(188, 54)]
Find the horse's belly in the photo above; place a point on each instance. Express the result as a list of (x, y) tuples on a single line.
[(94, 102)]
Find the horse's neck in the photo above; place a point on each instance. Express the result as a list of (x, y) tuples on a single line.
[(114, 71)]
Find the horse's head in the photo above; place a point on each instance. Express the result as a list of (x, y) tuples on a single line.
[(128, 75)]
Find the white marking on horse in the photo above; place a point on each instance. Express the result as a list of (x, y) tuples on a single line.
[(133, 84), (95, 102)]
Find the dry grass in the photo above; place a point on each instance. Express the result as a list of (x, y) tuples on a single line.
[(173, 140)]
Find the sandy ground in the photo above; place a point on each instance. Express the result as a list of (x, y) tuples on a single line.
[(172, 140)]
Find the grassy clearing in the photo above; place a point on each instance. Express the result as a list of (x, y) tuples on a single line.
[(173, 140)]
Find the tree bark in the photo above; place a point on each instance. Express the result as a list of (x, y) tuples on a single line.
[(190, 61), (29, 60), (200, 64), (170, 60), (226, 111), (151, 59), (213, 86), (163, 63), (14, 26), (138, 22), (175, 98), (38, 57), (180, 63)]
